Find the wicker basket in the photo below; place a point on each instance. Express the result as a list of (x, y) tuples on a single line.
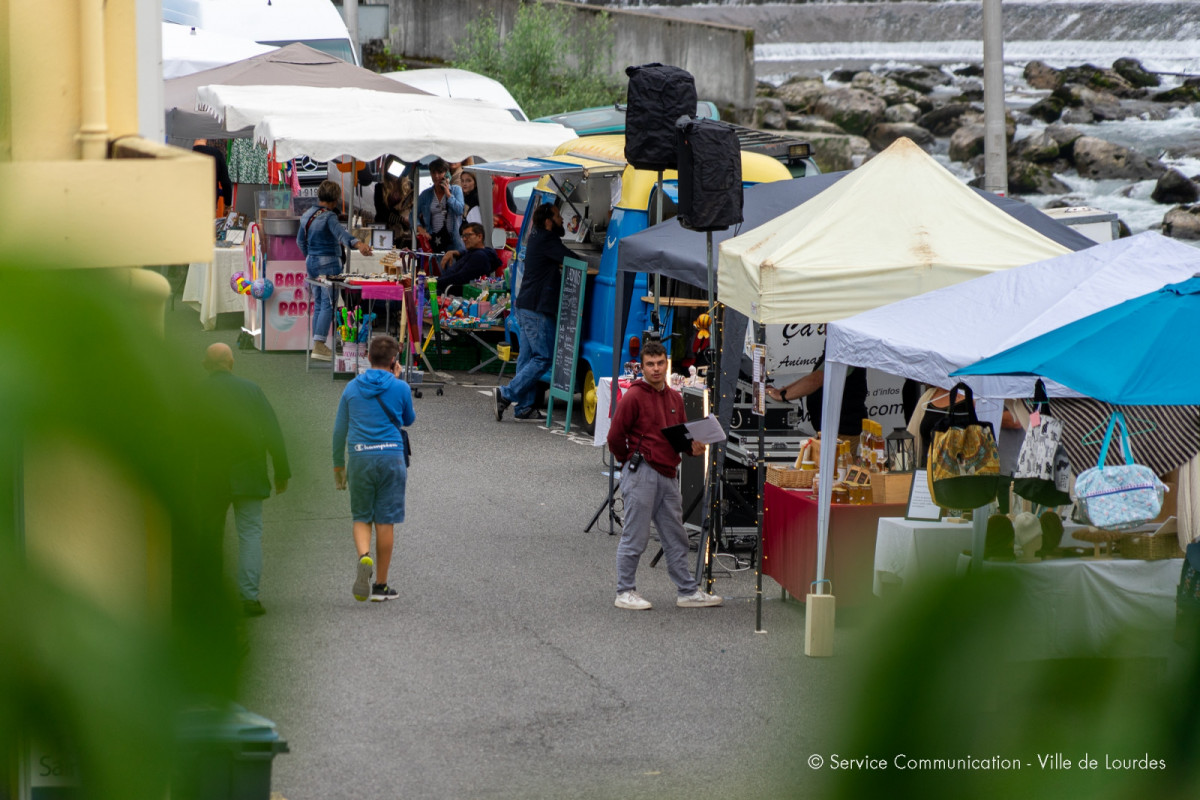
[(786, 478), (1151, 547)]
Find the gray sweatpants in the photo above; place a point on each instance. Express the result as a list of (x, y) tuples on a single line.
[(650, 496)]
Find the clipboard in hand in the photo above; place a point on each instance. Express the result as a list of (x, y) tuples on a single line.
[(678, 437)]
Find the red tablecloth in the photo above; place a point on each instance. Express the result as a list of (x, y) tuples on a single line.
[(790, 544)]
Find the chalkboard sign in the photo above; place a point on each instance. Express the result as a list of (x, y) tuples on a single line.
[(566, 339)]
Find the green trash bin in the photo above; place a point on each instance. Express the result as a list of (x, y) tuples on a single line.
[(225, 754)]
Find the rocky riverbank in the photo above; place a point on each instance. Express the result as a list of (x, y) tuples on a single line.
[(851, 115)]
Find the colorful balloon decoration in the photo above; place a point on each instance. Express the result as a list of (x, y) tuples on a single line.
[(235, 281), (262, 288)]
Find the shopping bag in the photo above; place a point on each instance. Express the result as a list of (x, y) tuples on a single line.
[(964, 461), (1043, 470), (1120, 497)]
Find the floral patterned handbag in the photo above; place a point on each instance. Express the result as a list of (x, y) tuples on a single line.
[(1120, 497)]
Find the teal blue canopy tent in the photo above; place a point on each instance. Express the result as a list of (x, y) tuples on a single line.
[(1140, 352)]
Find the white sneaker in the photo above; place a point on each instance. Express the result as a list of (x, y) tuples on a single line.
[(699, 599), (632, 601)]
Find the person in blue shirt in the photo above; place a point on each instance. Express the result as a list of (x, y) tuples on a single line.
[(321, 237), (372, 410), (440, 210)]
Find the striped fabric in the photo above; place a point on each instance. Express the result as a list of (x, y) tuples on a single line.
[(1161, 437)]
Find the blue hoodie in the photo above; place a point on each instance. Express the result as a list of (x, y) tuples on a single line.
[(362, 421)]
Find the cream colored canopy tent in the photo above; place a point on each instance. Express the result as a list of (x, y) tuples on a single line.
[(898, 226)]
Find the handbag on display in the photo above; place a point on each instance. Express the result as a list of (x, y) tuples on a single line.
[(1043, 472), (1120, 497), (964, 461)]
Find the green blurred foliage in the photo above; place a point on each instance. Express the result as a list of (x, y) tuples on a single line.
[(549, 62), (938, 681), (78, 365)]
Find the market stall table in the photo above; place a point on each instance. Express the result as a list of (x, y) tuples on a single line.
[(207, 286), (1079, 608), (790, 543), (908, 550)]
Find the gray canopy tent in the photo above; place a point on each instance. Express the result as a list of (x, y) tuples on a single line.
[(294, 65), (672, 251)]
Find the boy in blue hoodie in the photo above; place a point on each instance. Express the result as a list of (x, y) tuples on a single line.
[(373, 408)]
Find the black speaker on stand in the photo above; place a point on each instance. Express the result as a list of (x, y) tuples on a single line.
[(710, 175), (710, 199), (658, 95)]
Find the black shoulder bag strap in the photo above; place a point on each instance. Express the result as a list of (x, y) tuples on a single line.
[(403, 433)]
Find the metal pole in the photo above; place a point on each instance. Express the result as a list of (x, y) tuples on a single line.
[(760, 337), (995, 140), (658, 278), (351, 9)]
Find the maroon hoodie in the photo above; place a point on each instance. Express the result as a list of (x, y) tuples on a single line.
[(642, 413)]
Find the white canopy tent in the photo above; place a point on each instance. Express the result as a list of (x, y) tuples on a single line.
[(898, 226), (186, 50), (927, 337), (323, 123)]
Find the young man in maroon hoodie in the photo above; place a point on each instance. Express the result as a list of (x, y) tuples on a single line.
[(650, 485)]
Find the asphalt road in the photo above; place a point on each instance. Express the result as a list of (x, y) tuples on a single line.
[(503, 670)]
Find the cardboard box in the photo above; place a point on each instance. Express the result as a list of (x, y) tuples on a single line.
[(891, 487)]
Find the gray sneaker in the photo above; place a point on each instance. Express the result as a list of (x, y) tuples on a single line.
[(632, 601), (362, 583), (699, 599)]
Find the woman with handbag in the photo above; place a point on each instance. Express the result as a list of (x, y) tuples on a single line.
[(321, 238)]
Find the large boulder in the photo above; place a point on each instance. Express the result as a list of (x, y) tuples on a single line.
[(770, 113), (1048, 109), (1099, 160), (836, 152), (1036, 148), (1065, 136), (923, 79), (1132, 71), (882, 135), (1175, 188), (1026, 177), (945, 120), (1182, 222), (1078, 116), (799, 94), (1040, 75), (807, 122), (902, 112), (888, 90), (967, 142), (854, 110), (1189, 92), (1095, 78)]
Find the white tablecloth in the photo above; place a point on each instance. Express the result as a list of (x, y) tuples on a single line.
[(207, 286), (906, 550), (1072, 608)]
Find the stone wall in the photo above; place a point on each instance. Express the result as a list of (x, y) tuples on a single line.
[(721, 57)]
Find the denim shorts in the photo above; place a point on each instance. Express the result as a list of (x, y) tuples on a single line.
[(377, 482)]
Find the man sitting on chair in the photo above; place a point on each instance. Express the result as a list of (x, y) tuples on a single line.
[(476, 261)]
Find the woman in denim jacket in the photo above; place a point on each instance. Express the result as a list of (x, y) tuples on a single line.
[(321, 237)]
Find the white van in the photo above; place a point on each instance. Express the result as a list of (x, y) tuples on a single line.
[(315, 23), (460, 83)]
